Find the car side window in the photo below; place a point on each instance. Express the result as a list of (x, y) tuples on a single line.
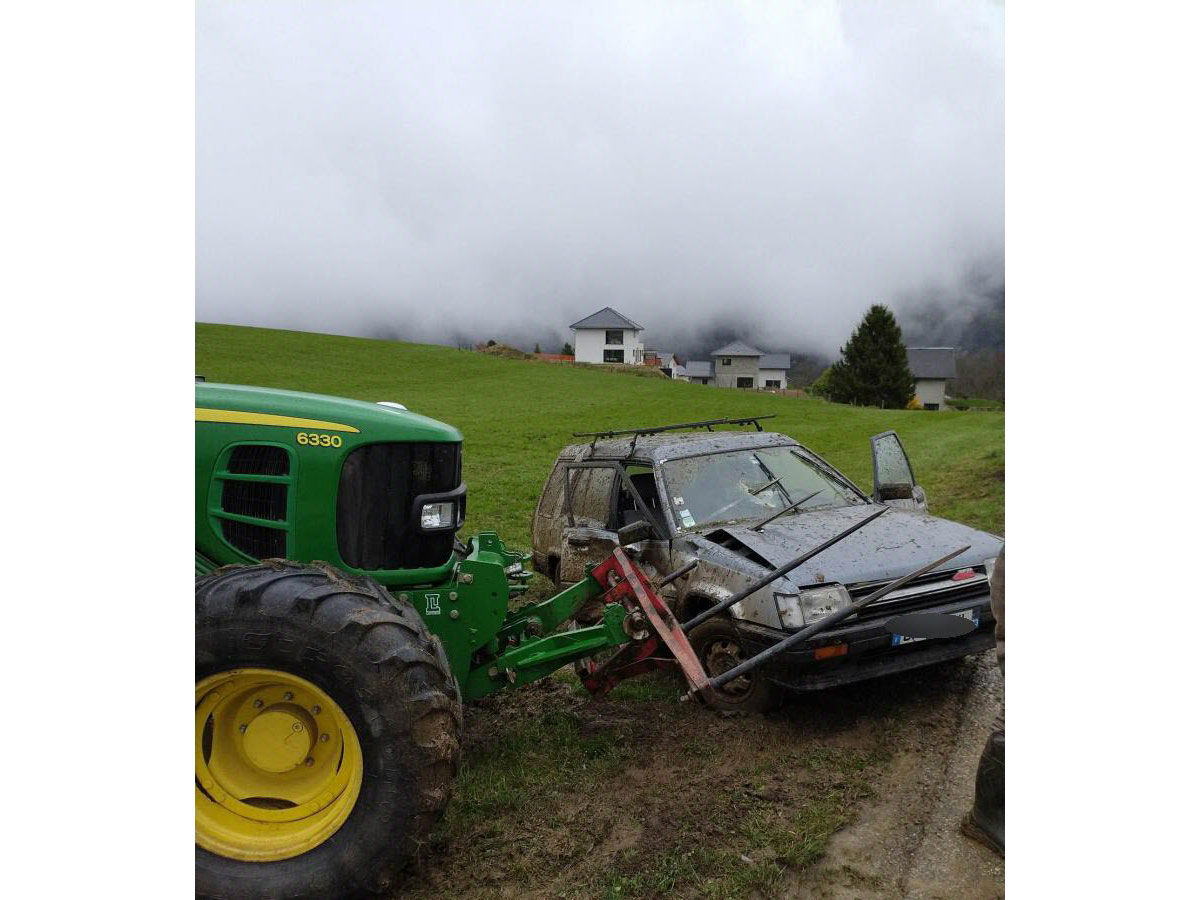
[(626, 511), (893, 474), (591, 494), (550, 505)]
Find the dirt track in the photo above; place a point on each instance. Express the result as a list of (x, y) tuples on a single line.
[(854, 792), (906, 841)]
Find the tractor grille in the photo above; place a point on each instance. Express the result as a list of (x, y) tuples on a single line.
[(379, 484), (258, 459), (256, 540), (255, 498), (243, 495)]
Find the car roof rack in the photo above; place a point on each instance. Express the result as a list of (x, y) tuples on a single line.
[(638, 432)]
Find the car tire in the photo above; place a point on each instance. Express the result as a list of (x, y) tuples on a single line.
[(368, 660), (720, 648)]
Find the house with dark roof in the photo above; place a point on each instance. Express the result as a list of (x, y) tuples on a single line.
[(606, 336), (773, 369), (742, 366), (697, 371), (931, 368), (736, 365)]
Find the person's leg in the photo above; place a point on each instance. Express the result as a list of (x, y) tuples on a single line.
[(985, 821)]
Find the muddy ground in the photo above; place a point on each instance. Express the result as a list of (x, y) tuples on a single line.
[(847, 793)]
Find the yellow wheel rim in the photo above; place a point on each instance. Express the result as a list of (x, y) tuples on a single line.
[(278, 765)]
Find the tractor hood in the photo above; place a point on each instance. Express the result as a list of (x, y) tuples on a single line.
[(895, 544)]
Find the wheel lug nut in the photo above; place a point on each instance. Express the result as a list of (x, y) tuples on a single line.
[(309, 761), (258, 704), (242, 729), (288, 696), (316, 710), (324, 738), (296, 726)]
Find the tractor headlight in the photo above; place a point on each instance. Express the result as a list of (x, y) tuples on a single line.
[(798, 610), (437, 515)]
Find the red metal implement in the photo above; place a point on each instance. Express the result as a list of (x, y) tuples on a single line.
[(629, 586)]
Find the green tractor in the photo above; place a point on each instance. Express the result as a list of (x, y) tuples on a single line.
[(329, 694)]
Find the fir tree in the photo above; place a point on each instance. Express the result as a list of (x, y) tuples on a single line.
[(873, 370), (567, 349)]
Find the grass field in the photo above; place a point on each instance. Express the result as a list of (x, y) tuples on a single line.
[(638, 795), (515, 415)]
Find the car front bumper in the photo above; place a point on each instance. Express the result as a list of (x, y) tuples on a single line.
[(869, 649)]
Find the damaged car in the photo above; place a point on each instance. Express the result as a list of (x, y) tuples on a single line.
[(729, 507)]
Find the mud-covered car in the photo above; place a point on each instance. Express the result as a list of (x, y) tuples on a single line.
[(708, 497)]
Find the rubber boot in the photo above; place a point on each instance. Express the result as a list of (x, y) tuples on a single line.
[(985, 821)]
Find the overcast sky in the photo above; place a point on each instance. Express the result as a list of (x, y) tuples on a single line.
[(441, 170)]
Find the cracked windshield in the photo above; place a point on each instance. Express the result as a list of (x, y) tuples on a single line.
[(749, 484)]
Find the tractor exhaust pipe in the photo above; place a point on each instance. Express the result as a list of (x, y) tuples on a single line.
[(805, 633), (777, 573)]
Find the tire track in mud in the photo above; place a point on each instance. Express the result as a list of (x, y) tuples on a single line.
[(906, 842)]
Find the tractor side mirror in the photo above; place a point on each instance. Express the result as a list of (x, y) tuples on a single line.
[(634, 533)]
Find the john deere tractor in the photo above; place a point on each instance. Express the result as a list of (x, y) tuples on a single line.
[(340, 624)]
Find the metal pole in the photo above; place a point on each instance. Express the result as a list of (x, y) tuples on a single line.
[(805, 633), (777, 573), (679, 573)]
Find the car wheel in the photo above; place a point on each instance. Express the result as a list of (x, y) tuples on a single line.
[(719, 648)]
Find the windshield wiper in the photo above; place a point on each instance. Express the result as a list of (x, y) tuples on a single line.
[(776, 515), (754, 492), (775, 479)]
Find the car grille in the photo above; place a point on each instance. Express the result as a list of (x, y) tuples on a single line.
[(933, 589)]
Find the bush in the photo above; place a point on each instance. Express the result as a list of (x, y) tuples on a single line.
[(820, 387)]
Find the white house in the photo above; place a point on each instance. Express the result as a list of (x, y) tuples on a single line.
[(665, 360), (931, 367), (773, 369), (606, 336)]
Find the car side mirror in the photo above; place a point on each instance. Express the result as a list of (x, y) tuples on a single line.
[(894, 491), (634, 533)]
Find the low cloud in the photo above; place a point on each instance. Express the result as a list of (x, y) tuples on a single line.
[(454, 172)]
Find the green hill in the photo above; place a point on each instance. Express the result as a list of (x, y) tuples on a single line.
[(515, 415)]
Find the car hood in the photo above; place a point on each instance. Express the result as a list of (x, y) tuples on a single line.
[(895, 544)]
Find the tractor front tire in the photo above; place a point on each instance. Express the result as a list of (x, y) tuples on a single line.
[(328, 733)]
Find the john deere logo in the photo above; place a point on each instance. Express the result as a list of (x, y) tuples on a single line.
[(431, 605)]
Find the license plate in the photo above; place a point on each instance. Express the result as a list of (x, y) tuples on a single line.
[(972, 614)]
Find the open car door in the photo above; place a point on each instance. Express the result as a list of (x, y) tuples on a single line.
[(895, 483)]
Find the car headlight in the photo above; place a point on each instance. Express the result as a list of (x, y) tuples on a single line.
[(437, 515), (806, 607), (988, 565)]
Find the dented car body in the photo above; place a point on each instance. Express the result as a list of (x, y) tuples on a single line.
[(739, 505)]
